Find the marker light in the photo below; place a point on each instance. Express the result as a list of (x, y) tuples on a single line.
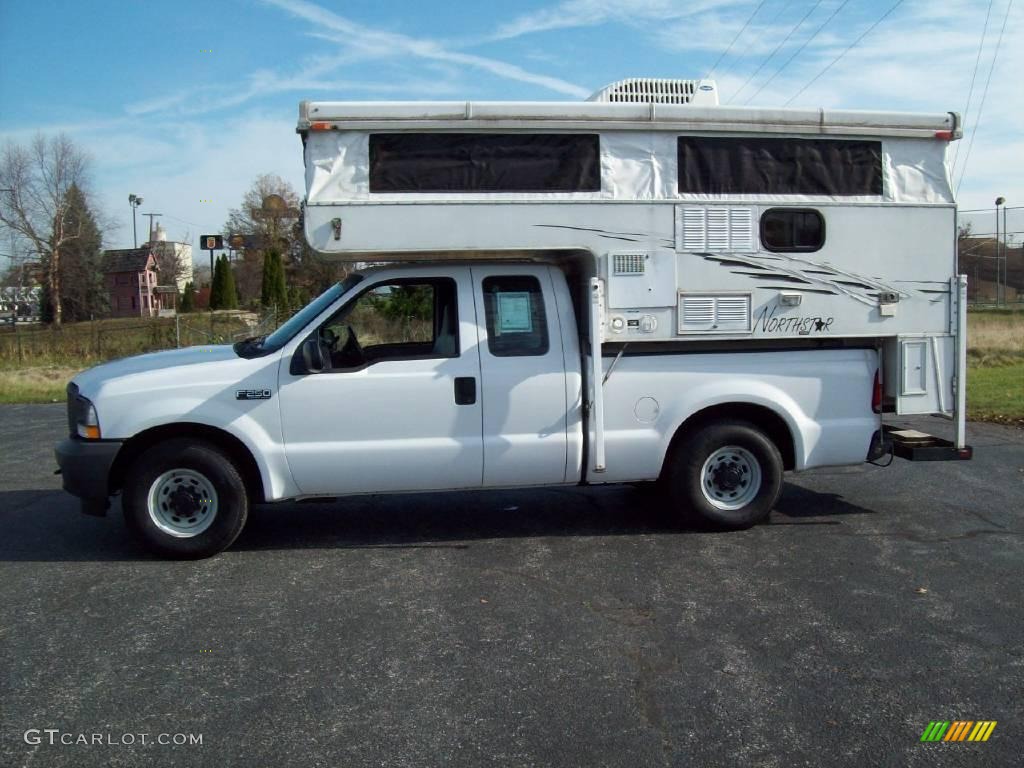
[(88, 422)]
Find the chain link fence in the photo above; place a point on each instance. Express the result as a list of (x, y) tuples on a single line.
[(91, 342)]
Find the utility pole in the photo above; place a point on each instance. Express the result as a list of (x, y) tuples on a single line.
[(151, 217)]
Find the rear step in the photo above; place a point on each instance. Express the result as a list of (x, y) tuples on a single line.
[(912, 445)]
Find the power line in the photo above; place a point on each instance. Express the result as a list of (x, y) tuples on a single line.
[(769, 25), (798, 50), (742, 30), (989, 210), (778, 47), (849, 48), (970, 91), (191, 223), (984, 93)]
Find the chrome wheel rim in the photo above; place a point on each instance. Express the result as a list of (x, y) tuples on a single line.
[(730, 478), (182, 503)]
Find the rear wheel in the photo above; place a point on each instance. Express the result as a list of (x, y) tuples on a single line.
[(727, 474), (185, 499)]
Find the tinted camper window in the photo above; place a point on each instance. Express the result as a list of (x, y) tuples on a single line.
[(792, 229), (779, 166), (484, 162)]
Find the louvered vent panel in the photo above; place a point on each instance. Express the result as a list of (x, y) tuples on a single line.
[(741, 231), (715, 228), (733, 312), (714, 314), (647, 90), (629, 263), (718, 229), (694, 232), (697, 313)]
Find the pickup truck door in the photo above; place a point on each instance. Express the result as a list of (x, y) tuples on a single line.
[(399, 409), (523, 376)]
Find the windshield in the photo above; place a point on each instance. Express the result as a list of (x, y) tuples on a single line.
[(300, 319)]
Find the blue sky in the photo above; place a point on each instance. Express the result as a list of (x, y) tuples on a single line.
[(163, 118)]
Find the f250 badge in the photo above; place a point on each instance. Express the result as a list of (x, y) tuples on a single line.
[(252, 394)]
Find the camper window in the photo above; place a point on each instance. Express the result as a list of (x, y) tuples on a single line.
[(484, 162), (792, 229), (779, 166), (516, 323)]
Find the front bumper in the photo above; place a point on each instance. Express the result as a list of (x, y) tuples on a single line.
[(85, 471)]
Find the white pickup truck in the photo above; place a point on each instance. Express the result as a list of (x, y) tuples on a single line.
[(452, 376)]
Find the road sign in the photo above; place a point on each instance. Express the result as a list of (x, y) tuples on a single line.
[(212, 242)]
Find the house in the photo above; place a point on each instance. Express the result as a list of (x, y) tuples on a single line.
[(131, 278)]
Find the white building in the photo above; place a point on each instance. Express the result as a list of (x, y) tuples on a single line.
[(170, 252)]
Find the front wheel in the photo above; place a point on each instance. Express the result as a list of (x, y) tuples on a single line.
[(185, 499), (728, 474)]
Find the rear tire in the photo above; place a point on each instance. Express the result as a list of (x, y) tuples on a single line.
[(185, 499), (725, 474)]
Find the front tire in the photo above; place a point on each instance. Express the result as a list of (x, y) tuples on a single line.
[(185, 499), (726, 474)]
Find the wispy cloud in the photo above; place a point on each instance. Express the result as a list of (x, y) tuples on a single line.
[(374, 43), (572, 14)]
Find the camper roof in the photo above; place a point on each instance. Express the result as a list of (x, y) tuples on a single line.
[(591, 115)]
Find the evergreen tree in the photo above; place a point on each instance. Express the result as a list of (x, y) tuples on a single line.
[(229, 291), (217, 285), (188, 298), (83, 293), (274, 292)]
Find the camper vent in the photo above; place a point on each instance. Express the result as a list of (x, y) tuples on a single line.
[(649, 90), (714, 228), (628, 263), (714, 314)]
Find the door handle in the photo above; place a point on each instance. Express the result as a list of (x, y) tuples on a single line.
[(465, 390)]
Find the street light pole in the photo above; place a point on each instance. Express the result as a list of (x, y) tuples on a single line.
[(1006, 258), (999, 201), (134, 201)]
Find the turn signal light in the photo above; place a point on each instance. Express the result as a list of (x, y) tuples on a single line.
[(89, 432)]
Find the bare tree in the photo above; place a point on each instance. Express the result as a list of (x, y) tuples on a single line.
[(173, 269), (242, 221), (36, 207), (263, 230)]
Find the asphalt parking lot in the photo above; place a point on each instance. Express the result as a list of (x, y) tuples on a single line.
[(543, 627)]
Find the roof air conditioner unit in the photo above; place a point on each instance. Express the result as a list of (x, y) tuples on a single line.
[(648, 90)]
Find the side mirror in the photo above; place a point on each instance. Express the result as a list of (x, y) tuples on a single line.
[(313, 355)]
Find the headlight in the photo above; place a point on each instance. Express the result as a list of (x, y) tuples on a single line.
[(88, 423)]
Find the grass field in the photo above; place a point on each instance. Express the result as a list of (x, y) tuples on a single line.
[(995, 359), (36, 365)]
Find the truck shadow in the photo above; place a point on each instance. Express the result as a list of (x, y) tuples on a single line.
[(45, 525)]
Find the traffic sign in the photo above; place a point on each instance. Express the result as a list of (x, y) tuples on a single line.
[(212, 242)]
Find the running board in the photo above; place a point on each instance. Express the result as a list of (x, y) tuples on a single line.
[(912, 445)]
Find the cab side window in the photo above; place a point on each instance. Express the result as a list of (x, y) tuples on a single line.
[(516, 323), (402, 319)]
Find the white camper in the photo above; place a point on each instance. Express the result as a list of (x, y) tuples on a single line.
[(644, 286)]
